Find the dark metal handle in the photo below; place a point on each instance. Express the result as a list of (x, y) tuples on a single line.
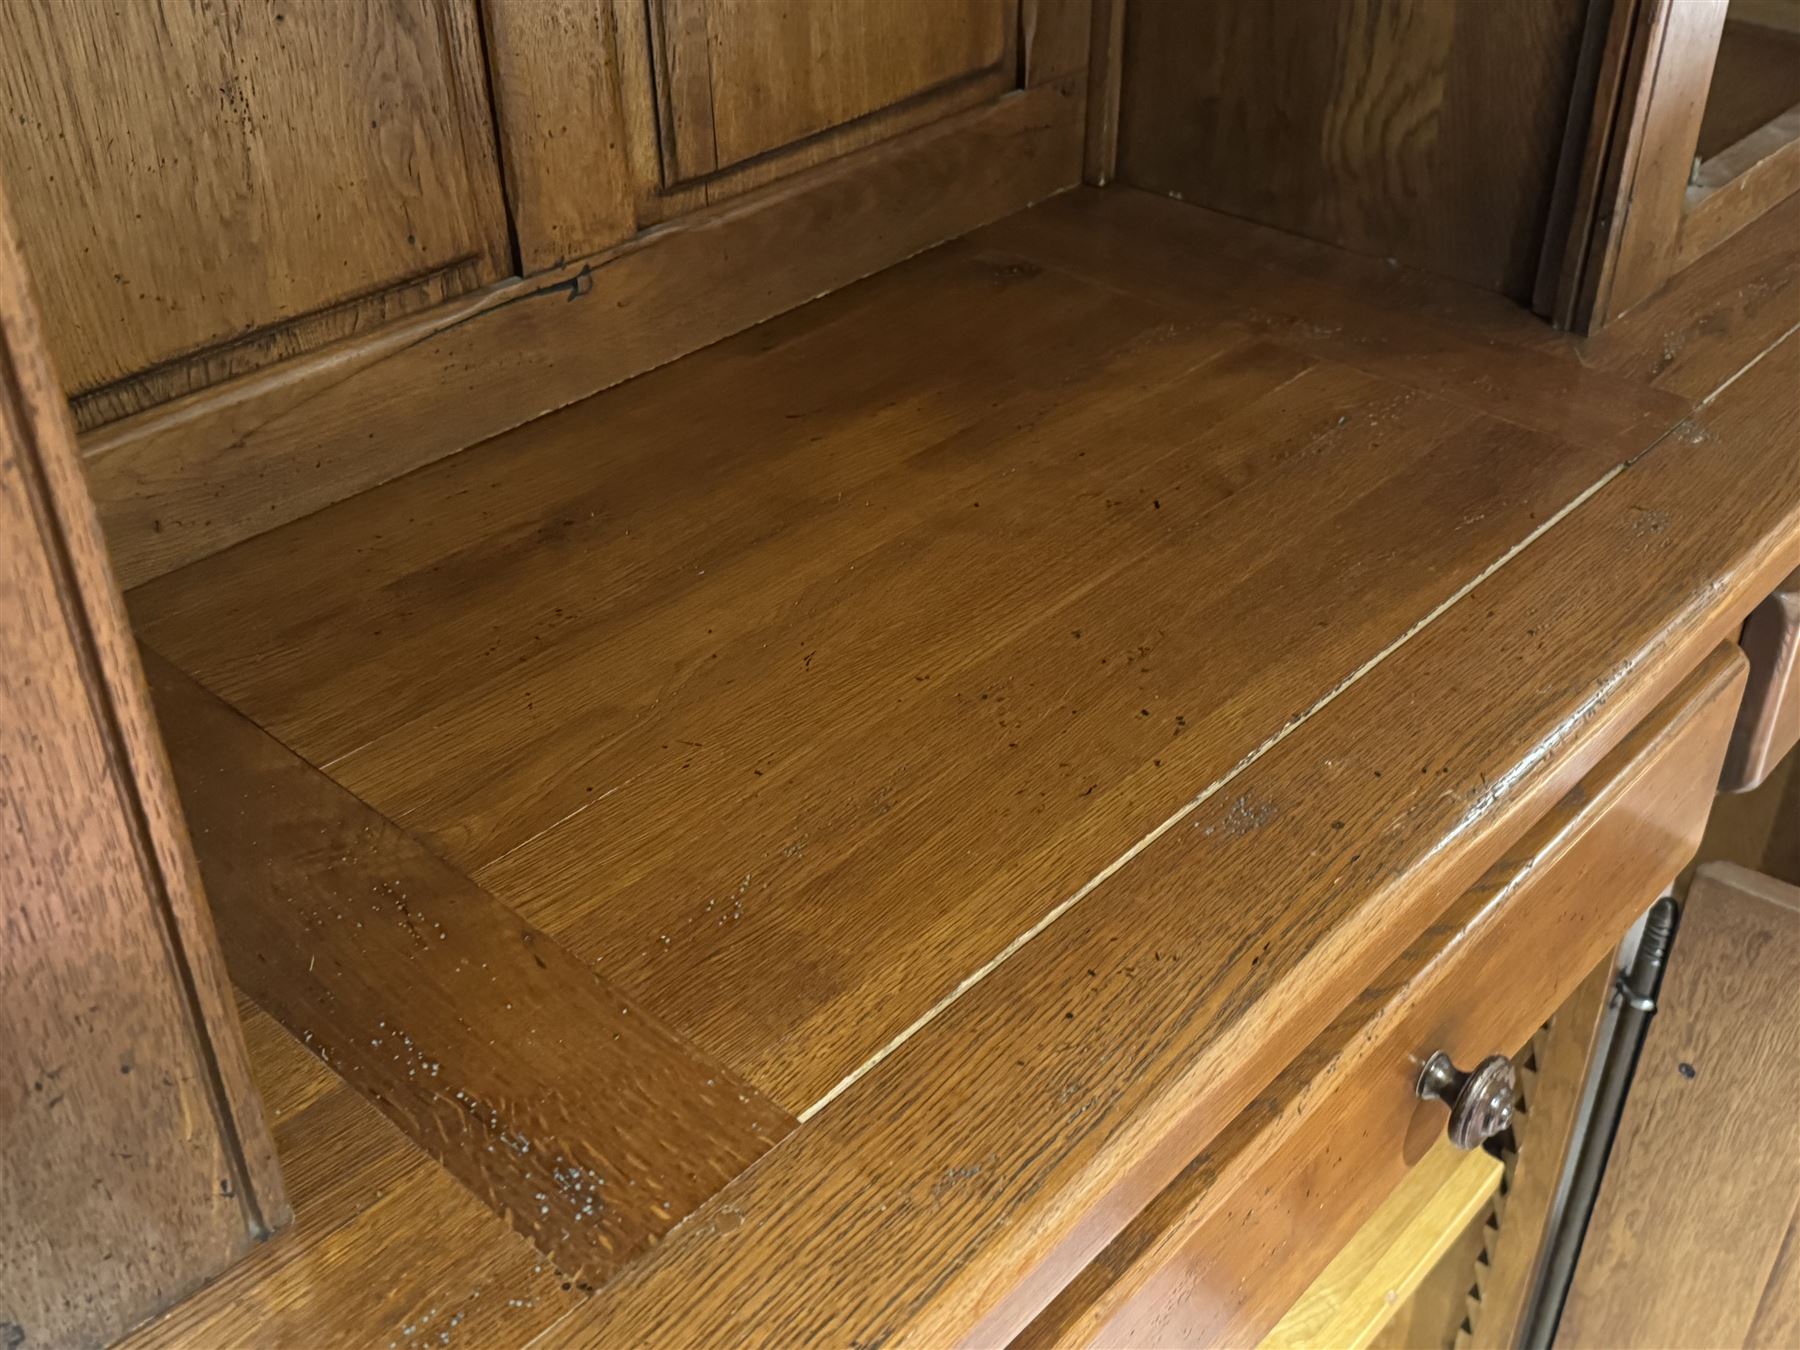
[(1481, 1102)]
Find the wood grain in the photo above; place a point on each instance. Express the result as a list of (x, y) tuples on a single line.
[(1422, 131), (747, 78), (697, 808), (1704, 1173), (204, 472), (1220, 1253), (1202, 264), (565, 1108), (251, 180), (1643, 579), (1105, 78), (1545, 1133), (1769, 725), (1756, 78), (1354, 1297), (386, 1247), (126, 1105), (570, 184)]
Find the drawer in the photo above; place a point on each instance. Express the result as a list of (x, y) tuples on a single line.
[(1219, 1255), (1769, 722)]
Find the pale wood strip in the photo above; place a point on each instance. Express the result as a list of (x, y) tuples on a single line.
[(1354, 1297)]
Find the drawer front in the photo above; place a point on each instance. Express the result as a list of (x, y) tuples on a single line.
[(1220, 1255), (1769, 722)]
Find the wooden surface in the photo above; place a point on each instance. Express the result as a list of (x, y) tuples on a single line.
[(1410, 129), (1355, 1296), (1106, 69), (1432, 1318), (1769, 725), (1279, 491), (582, 1120), (191, 478), (745, 78), (1545, 1132), (770, 846), (1638, 243), (134, 1161), (1704, 1174), (1756, 78), (571, 188), (1221, 1252), (250, 181), (385, 1244)]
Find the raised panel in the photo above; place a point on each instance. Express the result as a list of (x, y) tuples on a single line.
[(204, 187), (741, 78)]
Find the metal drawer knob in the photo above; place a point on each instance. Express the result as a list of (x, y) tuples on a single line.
[(1481, 1103)]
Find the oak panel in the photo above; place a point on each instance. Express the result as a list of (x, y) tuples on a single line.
[(571, 187), (238, 169), (742, 78), (1411, 129)]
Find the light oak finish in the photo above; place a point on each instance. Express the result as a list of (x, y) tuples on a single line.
[(1194, 506), (621, 806), (566, 1108), (206, 189), (1105, 1163), (188, 479), (1423, 131), (134, 1160), (1354, 1298), (1216, 1258), (1704, 1174), (1769, 725), (1564, 1055)]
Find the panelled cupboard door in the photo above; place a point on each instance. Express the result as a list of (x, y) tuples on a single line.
[(740, 79), (206, 186), (134, 1160)]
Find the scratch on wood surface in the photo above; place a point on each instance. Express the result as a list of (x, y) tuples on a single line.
[(1193, 804)]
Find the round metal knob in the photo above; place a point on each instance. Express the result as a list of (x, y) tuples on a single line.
[(1481, 1102)]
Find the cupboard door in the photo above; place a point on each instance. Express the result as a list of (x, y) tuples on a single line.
[(740, 79), (205, 186), (134, 1160)]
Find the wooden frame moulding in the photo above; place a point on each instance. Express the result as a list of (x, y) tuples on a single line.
[(1632, 208)]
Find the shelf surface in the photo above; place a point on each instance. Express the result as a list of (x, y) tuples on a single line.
[(972, 711)]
